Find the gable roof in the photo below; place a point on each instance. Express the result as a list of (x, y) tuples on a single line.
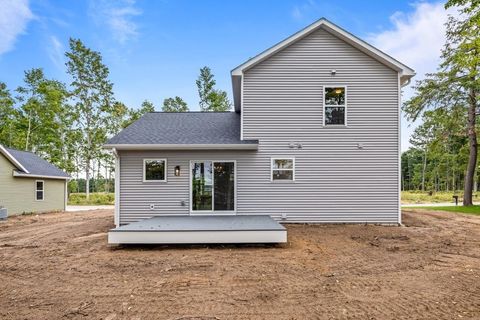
[(183, 130), (405, 72), (28, 164)]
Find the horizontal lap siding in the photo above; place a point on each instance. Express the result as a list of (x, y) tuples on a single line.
[(136, 195), (335, 181)]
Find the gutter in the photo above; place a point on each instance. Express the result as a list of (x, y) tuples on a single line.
[(21, 175), (246, 146)]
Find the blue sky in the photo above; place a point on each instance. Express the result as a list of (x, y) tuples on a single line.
[(154, 49)]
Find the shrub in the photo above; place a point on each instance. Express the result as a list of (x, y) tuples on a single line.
[(99, 198)]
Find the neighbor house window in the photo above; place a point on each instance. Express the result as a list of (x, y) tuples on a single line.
[(283, 169), (335, 105), (39, 190), (154, 170)]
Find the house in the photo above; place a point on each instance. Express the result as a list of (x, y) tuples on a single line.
[(314, 138), (29, 184)]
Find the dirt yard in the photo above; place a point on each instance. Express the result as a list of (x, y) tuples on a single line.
[(59, 266)]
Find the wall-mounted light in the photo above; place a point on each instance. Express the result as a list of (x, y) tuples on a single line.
[(177, 171), (333, 72)]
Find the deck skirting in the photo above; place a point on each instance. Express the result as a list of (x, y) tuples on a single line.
[(201, 230)]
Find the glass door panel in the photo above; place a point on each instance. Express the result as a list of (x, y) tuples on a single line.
[(202, 186), (224, 186), (213, 186)]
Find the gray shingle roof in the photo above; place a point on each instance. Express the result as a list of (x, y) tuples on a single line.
[(35, 165), (183, 128)]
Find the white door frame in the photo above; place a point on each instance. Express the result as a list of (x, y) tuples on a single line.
[(213, 212)]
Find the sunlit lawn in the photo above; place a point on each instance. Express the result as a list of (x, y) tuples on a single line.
[(475, 210)]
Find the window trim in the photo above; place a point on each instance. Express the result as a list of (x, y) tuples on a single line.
[(37, 190), (272, 159), (345, 105), (165, 170)]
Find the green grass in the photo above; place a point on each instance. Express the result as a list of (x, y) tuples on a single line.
[(99, 198), (475, 210), (417, 197)]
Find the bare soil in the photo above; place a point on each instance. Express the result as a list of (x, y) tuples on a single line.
[(59, 266)]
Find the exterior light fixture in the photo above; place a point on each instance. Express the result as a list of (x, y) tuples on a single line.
[(333, 72), (177, 171)]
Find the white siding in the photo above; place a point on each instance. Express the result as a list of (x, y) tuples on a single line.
[(282, 102)]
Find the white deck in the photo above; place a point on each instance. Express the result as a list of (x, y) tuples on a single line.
[(200, 229)]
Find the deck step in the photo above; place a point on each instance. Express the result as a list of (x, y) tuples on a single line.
[(200, 229)]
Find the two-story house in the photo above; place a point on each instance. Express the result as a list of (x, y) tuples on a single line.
[(315, 137)]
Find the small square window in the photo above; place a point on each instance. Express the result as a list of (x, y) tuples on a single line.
[(154, 169), (283, 169), (335, 106)]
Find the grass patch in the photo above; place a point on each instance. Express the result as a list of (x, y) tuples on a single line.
[(475, 210), (99, 198), (417, 197)]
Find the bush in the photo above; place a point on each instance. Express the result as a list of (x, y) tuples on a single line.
[(99, 198)]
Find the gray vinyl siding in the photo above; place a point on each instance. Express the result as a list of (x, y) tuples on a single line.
[(335, 181), (282, 103)]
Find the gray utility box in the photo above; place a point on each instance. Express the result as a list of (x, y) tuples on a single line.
[(3, 213)]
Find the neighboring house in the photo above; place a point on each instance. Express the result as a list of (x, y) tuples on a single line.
[(30, 184), (315, 137)]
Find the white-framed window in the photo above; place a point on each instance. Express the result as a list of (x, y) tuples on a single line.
[(154, 170), (282, 169), (39, 190), (334, 105)]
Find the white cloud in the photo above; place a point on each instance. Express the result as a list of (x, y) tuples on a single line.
[(14, 17), (56, 52), (415, 39), (117, 16)]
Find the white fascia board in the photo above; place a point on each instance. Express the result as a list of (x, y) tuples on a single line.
[(247, 146), (12, 159), (336, 31), (22, 175)]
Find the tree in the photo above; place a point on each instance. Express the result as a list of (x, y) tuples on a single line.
[(93, 100), (8, 116), (174, 105), (135, 114), (43, 119), (457, 82), (211, 99)]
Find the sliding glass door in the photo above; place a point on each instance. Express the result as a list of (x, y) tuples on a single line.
[(213, 186)]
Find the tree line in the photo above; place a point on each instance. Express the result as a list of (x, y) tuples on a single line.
[(67, 124), (444, 148)]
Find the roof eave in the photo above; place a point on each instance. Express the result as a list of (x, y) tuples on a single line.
[(28, 175), (237, 146), (12, 159)]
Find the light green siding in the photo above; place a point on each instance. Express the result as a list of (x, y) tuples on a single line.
[(18, 194)]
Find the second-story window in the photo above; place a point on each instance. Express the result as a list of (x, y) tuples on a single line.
[(334, 105)]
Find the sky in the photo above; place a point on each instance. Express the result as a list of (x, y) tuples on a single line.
[(154, 49)]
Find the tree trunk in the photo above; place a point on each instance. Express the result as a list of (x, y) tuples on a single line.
[(424, 168), (87, 180), (472, 159)]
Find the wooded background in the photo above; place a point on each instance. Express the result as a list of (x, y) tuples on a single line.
[(67, 124)]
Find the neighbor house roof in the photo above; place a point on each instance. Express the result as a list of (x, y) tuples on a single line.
[(404, 71), (183, 130), (28, 164)]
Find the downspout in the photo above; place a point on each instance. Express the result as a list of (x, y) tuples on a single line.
[(116, 216)]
